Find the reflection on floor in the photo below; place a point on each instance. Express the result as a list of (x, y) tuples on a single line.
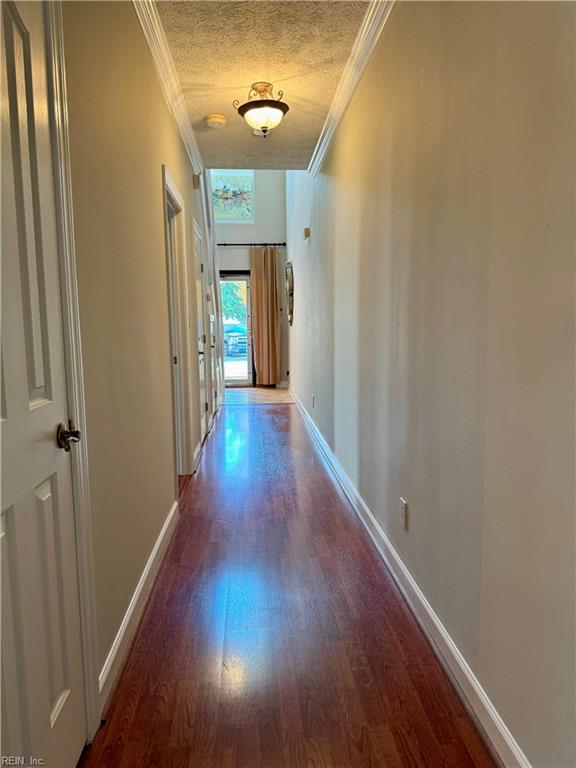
[(257, 395), (274, 636)]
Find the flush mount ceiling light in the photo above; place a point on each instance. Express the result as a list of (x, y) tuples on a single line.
[(262, 111)]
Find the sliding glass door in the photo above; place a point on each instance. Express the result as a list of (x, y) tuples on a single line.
[(235, 291)]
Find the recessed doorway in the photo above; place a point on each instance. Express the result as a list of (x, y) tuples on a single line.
[(237, 335)]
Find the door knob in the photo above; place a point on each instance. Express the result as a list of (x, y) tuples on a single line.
[(66, 435)]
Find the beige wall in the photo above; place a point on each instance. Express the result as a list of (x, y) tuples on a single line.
[(269, 227), (121, 133), (434, 323)]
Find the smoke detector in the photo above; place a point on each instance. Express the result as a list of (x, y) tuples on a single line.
[(216, 121)]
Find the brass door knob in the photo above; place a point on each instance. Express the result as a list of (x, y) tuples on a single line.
[(66, 435)]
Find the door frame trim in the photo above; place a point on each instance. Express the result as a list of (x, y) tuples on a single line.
[(201, 258), (178, 302), (212, 254), (74, 364)]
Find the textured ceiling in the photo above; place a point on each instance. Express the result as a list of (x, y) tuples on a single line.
[(220, 48)]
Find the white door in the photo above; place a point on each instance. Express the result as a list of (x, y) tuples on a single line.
[(43, 713), (175, 341), (202, 329)]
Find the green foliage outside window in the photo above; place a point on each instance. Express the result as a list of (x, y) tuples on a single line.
[(233, 304)]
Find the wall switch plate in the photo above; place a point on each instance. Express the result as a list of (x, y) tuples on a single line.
[(403, 513)]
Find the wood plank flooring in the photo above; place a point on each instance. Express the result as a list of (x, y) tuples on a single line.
[(274, 637), (183, 481)]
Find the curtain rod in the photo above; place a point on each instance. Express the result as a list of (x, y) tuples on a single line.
[(249, 245)]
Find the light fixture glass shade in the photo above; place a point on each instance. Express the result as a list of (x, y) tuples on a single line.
[(263, 118), (262, 111)]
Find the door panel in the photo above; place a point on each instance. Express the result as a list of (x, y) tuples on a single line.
[(43, 711), (175, 340), (202, 329)]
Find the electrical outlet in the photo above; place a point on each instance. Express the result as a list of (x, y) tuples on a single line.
[(404, 513), (313, 400)]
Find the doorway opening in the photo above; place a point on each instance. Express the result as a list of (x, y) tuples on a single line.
[(237, 330)]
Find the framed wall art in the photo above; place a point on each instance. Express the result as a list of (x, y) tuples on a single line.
[(233, 196)]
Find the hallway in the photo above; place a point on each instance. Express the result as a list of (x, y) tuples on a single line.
[(371, 204), (274, 635)]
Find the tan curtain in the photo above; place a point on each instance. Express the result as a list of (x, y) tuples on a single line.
[(265, 315)]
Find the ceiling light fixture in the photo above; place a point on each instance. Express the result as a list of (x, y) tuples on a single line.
[(262, 111)]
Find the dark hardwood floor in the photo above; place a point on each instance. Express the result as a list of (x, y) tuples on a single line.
[(183, 481), (274, 637)]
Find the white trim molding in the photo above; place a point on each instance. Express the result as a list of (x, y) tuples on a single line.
[(197, 457), (180, 342), (127, 630), (156, 39), (366, 39), (467, 685), (74, 367)]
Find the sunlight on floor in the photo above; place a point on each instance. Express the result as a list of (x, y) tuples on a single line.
[(257, 396)]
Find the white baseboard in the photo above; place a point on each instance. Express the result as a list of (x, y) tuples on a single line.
[(283, 384), (467, 686), (197, 456), (125, 635)]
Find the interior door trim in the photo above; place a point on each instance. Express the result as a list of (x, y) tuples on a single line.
[(73, 353), (179, 306)]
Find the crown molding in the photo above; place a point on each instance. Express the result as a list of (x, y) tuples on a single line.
[(366, 39), (156, 39)]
